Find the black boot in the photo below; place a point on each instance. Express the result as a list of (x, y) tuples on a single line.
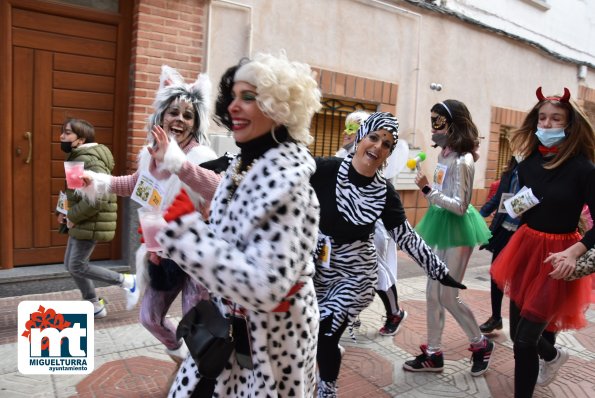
[(490, 325)]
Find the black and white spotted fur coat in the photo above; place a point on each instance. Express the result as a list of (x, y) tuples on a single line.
[(258, 244)]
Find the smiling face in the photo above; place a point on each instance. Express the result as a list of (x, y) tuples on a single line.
[(248, 121), (551, 116), (372, 152), (178, 121)]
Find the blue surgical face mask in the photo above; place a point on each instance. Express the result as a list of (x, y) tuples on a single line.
[(550, 137)]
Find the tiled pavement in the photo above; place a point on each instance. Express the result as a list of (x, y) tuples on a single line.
[(129, 362)]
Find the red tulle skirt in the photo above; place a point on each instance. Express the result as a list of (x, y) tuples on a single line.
[(520, 272)]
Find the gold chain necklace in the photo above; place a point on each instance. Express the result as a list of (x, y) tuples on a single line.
[(237, 176)]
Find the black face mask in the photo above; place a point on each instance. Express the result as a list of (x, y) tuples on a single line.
[(66, 146), (440, 139)]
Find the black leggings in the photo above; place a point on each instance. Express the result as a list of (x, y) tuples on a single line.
[(530, 341), (328, 354), (496, 294)]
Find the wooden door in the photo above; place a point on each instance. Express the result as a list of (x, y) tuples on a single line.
[(62, 66)]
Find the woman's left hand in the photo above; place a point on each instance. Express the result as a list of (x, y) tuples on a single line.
[(421, 180), (563, 263), (451, 282), (161, 143)]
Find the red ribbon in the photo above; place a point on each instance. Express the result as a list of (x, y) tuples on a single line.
[(43, 319), (547, 151), (284, 304)]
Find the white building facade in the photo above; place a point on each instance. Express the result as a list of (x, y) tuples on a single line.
[(394, 55)]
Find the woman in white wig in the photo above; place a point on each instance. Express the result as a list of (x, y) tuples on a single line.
[(255, 255), (181, 113)]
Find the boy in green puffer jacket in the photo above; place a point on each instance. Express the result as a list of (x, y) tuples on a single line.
[(89, 222)]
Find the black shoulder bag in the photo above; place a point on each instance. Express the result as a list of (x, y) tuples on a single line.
[(209, 338)]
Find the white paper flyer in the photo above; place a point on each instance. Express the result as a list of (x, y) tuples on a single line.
[(521, 202)]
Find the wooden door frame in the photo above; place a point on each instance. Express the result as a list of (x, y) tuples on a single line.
[(121, 102)]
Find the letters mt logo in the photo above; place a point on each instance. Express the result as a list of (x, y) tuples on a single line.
[(56, 337)]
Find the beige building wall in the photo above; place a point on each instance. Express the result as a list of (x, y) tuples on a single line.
[(399, 43)]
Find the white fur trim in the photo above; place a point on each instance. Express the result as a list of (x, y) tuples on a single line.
[(174, 158), (142, 268), (99, 187)]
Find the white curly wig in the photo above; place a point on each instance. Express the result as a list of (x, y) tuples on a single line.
[(173, 87), (286, 92)]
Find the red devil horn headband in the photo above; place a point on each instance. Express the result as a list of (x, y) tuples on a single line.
[(563, 98)]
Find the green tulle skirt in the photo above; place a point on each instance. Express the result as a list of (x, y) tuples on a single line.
[(442, 229)]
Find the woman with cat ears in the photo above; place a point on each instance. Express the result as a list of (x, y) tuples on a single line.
[(177, 144)]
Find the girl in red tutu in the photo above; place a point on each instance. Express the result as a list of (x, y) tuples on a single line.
[(557, 143)]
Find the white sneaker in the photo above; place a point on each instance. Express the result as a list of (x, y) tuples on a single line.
[(179, 354), (99, 309), (548, 371), (132, 292), (327, 389)]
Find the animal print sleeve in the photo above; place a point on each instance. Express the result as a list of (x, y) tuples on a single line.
[(412, 244)]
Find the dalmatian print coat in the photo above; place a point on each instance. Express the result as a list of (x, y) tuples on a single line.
[(258, 245)]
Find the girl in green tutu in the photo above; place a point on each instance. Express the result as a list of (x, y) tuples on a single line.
[(452, 227)]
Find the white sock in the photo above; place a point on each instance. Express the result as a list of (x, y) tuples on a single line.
[(479, 344), (127, 281)]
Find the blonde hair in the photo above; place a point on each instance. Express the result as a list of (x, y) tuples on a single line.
[(286, 92)]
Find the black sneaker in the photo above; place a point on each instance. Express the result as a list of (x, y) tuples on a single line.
[(481, 358), (392, 324), (491, 324), (425, 362)]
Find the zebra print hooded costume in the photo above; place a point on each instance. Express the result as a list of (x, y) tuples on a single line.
[(350, 205)]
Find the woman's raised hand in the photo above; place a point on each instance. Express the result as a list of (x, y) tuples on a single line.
[(161, 143), (421, 180)]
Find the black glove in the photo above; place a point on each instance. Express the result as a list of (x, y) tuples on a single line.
[(219, 165), (449, 281)]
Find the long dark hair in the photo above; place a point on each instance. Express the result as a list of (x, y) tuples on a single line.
[(463, 136)]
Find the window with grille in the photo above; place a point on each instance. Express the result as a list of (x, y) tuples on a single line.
[(328, 124), (504, 152)]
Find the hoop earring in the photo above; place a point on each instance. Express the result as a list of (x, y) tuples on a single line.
[(273, 135)]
